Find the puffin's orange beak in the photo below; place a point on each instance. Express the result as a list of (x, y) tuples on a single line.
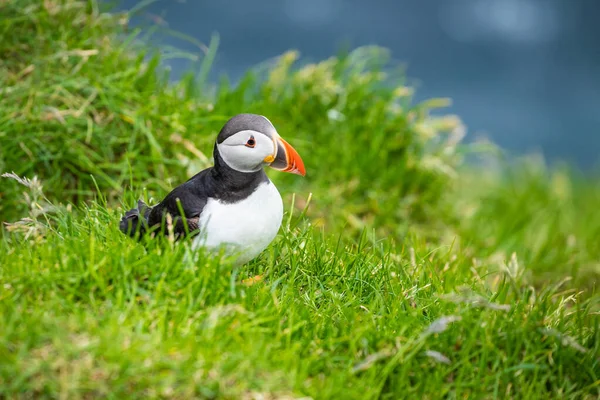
[(287, 158)]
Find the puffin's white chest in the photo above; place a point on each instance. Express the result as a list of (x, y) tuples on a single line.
[(246, 227)]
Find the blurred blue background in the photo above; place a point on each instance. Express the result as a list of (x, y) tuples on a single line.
[(524, 73)]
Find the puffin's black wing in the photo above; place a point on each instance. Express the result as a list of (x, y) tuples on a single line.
[(190, 197), (180, 199)]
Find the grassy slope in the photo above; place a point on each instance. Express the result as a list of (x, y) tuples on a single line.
[(85, 311)]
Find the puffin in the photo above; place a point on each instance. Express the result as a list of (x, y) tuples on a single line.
[(231, 205)]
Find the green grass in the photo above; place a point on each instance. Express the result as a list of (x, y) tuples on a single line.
[(87, 312), (407, 274)]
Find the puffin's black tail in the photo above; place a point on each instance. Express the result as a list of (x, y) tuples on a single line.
[(135, 220)]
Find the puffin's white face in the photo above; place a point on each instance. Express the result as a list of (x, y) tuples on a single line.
[(249, 142), (247, 150)]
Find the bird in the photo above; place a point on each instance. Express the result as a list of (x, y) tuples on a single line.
[(233, 204)]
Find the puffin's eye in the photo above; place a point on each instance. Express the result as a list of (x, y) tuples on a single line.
[(251, 142)]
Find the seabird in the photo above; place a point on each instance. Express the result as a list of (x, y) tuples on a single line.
[(232, 204)]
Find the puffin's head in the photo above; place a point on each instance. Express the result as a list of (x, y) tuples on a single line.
[(248, 142)]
